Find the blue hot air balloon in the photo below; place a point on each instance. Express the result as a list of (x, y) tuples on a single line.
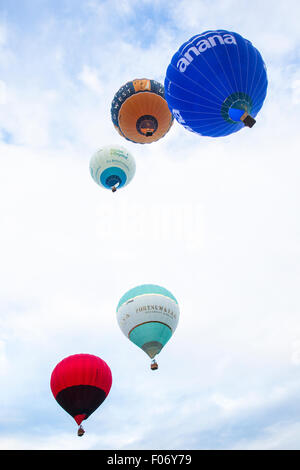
[(216, 83)]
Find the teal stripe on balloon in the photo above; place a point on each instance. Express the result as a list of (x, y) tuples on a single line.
[(112, 176), (145, 289), (151, 331)]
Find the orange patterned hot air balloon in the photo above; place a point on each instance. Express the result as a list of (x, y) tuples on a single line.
[(140, 112)]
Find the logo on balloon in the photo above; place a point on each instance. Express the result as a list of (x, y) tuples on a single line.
[(177, 115), (201, 46), (156, 308)]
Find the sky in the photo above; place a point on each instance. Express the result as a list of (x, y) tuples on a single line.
[(215, 221)]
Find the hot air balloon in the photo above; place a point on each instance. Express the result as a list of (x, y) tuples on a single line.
[(80, 383), (139, 111), (148, 315), (216, 83), (112, 167)]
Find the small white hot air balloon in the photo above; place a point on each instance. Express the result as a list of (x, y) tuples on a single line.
[(112, 167)]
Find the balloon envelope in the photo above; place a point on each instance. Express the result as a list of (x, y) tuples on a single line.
[(148, 315), (213, 80), (80, 383), (140, 112), (112, 167)]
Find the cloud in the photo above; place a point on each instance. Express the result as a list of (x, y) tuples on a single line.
[(213, 220), (281, 436), (3, 92), (89, 77)]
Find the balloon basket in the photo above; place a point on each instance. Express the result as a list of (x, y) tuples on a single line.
[(248, 120)]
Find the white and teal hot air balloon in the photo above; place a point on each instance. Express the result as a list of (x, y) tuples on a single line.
[(112, 167), (148, 315)]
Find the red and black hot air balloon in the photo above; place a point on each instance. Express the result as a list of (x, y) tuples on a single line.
[(80, 383)]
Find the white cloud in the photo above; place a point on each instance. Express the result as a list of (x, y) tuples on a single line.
[(296, 91), (281, 436), (3, 358), (90, 78), (3, 92), (3, 35), (213, 220)]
